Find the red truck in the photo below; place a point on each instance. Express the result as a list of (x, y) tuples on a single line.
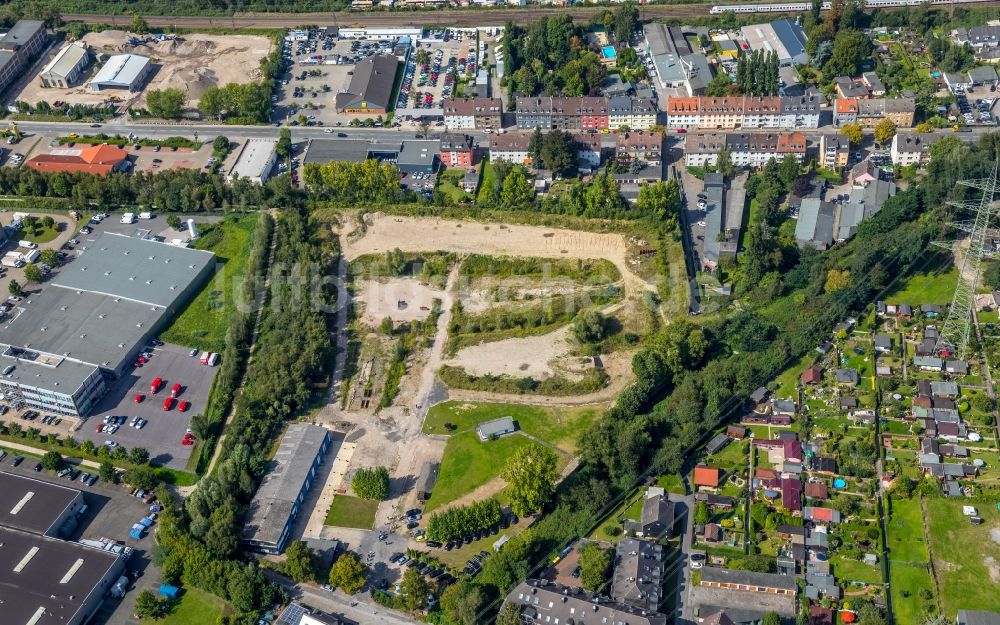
[(155, 386), (168, 403), (176, 390)]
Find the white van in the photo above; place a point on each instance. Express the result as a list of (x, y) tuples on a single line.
[(27, 244), (128, 218)]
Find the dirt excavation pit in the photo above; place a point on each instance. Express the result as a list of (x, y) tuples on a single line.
[(191, 63), (400, 299), (535, 357)]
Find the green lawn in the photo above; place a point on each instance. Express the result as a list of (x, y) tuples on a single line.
[(906, 533), (907, 581), (789, 379), (347, 511), (933, 286), (39, 234), (204, 321), (559, 426), (195, 607), (468, 463), (963, 556), (731, 457), (630, 508), (449, 183), (846, 569)]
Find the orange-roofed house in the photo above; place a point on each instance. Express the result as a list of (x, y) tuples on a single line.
[(707, 476), (93, 159), (845, 111)]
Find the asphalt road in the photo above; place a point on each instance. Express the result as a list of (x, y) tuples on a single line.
[(207, 132)]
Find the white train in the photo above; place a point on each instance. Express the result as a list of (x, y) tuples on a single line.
[(794, 7)]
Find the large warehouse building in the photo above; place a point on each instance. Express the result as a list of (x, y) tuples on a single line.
[(276, 505), (67, 66), (48, 581), (122, 71), (89, 325)]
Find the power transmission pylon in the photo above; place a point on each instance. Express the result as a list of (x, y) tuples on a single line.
[(954, 335)]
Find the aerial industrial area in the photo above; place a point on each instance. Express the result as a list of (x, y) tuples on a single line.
[(578, 315)]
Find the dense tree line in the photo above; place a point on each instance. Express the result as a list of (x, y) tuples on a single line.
[(550, 56), (367, 182), (170, 190), (459, 521), (199, 540), (237, 345), (757, 73)]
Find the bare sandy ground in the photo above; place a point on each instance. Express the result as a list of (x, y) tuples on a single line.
[(192, 65), (534, 356), (415, 234), (400, 299)]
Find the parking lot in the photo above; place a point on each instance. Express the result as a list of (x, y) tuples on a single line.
[(444, 66), (318, 68), (977, 112), (164, 429)]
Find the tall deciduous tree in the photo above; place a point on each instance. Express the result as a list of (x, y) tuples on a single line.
[(165, 103), (853, 133), (885, 130), (300, 562), (371, 483), (595, 563), (348, 573), (531, 474)]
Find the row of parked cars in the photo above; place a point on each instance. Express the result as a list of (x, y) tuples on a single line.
[(441, 576)]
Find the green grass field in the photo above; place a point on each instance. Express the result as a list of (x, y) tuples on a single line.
[(449, 183), (965, 557), (39, 234), (846, 569), (630, 508), (558, 426), (204, 321), (468, 463), (906, 532), (909, 568), (935, 285), (788, 381), (195, 607), (347, 511), (907, 582)]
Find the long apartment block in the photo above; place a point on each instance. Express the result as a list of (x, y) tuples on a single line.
[(743, 112)]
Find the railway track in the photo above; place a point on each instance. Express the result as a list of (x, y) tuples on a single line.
[(444, 17)]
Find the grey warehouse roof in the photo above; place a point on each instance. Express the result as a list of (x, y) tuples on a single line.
[(324, 151), (121, 70), (275, 499), (80, 326), (32, 505), (65, 377), (418, 152), (20, 33), (141, 270), (47, 581)]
